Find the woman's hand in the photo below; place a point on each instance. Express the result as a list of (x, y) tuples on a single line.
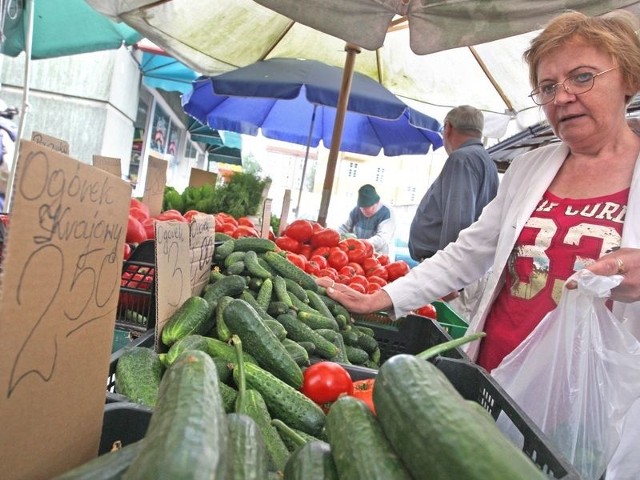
[(353, 300), (625, 262)]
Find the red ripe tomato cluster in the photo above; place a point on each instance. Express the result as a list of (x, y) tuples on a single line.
[(237, 227), (321, 252)]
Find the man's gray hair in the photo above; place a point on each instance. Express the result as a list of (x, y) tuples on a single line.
[(466, 118)]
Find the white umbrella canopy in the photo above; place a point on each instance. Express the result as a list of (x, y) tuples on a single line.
[(456, 65)]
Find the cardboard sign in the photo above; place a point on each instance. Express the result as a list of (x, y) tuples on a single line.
[(58, 299), (173, 272), (199, 177), (111, 165), (201, 247), (50, 142), (266, 218), (154, 184), (284, 215)]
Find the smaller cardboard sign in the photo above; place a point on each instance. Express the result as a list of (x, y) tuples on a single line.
[(266, 218), (200, 177), (154, 184), (110, 165), (284, 216), (173, 272), (50, 142), (202, 239)]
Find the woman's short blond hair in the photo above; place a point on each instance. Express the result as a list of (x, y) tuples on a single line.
[(614, 33)]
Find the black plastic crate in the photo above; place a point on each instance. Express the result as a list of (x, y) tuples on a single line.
[(411, 334), (474, 383), (145, 340), (124, 423), (136, 303)]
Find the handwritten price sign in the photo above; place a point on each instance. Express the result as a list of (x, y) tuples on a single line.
[(60, 290), (201, 246)]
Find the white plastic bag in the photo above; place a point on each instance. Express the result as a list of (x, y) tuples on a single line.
[(576, 375)]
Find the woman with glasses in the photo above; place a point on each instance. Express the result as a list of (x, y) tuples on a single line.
[(559, 208)]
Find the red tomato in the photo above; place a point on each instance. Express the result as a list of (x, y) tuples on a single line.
[(323, 251), (377, 280), (428, 311), (320, 260), (220, 222), (247, 222), (363, 390), (244, 231), (325, 381), (127, 251), (316, 226), (289, 244), (325, 238), (383, 259), (368, 246), (344, 279), (227, 228), (328, 272), (297, 260), (300, 230), (347, 271), (139, 213), (357, 267), (397, 269), (361, 279), (135, 231), (370, 263), (358, 287), (189, 214), (380, 272), (373, 287), (337, 258), (170, 215), (356, 250), (135, 203), (312, 268), (305, 251)]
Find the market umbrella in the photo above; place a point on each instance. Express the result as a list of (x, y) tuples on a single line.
[(295, 101), (55, 28), (215, 36)]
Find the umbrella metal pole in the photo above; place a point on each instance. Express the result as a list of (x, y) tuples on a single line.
[(336, 139), (306, 157)]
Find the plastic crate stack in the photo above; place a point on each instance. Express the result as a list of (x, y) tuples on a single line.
[(136, 303)]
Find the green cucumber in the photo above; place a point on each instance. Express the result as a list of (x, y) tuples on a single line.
[(310, 347), (255, 407), (246, 449), (219, 349), (276, 308), (335, 338), (367, 343), (138, 375), (292, 437), (298, 331), (229, 396), (356, 355), (317, 320), (312, 461), (316, 302), (277, 328), (222, 331), (258, 245), (190, 342), (284, 402), (255, 283), (301, 306), (222, 251), (237, 268), (281, 292), (297, 352), (253, 266), (187, 434), (230, 286), (232, 258), (215, 275), (288, 270), (222, 237), (295, 289), (192, 317), (109, 466), (359, 446), (417, 405), (264, 294), (350, 337), (260, 341)]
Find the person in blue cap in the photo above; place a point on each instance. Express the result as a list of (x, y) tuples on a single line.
[(371, 220)]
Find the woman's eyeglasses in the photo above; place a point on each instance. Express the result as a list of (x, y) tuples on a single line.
[(576, 84)]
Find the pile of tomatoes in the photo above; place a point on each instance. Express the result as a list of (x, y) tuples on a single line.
[(321, 252), (324, 382)]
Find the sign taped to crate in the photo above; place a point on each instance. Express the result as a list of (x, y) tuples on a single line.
[(154, 184), (202, 231), (110, 165), (173, 271), (61, 278)]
